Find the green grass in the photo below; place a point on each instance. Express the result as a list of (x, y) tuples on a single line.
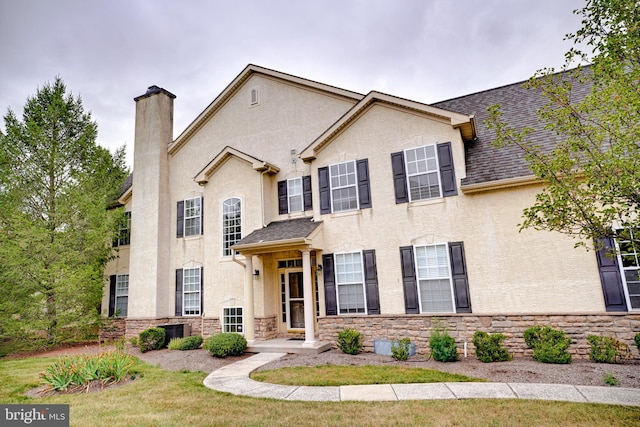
[(335, 375), (163, 398)]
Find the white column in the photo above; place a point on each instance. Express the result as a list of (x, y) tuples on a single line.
[(249, 319), (309, 310)]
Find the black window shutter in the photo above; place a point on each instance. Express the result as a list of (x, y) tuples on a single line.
[(307, 195), (447, 172), (330, 298), (179, 292), (371, 281), (283, 204), (459, 276), (201, 215), (201, 291), (610, 278), (364, 188), (180, 221), (399, 177), (409, 282), (324, 190), (112, 295)]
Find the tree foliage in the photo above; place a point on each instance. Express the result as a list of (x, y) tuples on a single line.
[(593, 173), (55, 185)]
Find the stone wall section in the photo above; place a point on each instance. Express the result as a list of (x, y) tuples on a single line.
[(461, 327)]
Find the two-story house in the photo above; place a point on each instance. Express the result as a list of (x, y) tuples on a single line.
[(290, 207)]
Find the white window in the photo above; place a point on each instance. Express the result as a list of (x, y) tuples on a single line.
[(629, 258), (434, 279), (124, 230), (231, 224), (350, 283), (294, 195), (232, 319), (191, 291), (255, 100), (192, 216), (422, 173), (344, 191), (122, 295)]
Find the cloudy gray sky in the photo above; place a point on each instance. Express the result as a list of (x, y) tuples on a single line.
[(426, 50)]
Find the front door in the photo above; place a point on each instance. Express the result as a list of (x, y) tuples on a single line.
[(296, 299)]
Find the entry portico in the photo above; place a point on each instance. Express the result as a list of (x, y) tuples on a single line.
[(301, 236)]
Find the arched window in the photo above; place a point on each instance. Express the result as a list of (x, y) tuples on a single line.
[(231, 224)]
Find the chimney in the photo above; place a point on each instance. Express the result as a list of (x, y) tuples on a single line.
[(149, 268)]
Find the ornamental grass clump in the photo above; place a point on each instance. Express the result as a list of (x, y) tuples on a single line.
[(186, 343), (400, 349), (226, 344), (74, 373), (549, 345), (350, 341), (607, 349), (489, 347)]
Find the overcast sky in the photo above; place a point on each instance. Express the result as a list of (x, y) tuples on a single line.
[(110, 51)]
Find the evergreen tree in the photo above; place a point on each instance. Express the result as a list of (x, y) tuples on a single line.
[(55, 186)]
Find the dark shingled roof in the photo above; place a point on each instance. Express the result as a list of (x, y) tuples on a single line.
[(281, 230), (519, 105)]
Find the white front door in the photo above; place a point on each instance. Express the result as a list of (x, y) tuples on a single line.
[(295, 299)]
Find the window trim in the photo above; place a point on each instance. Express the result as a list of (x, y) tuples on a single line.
[(300, 194), (187, 218), (185, 292), (362, 283), (354, 185), (224, 317), (449, 278), (119, 295), (124, 232), (226, 244), (623, 269), (409, 175)]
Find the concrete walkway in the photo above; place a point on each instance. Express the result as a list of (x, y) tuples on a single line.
[(235, 379)]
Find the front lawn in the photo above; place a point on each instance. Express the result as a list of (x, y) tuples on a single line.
[(163, 398)]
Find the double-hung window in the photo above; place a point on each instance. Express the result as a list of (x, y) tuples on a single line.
[(118, 295), (350, 283), (192, 216), (189, 217), (191, 291), (629, 253), (344, 186), (434, 279), (124, 230), (423, 173), (294, 195), (231, 224)]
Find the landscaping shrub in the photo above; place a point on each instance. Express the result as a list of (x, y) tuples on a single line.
[(151, 339), (186, 343), (442, 345), (75, 372), (636, 339), (350, 341), (226, 344), (400, 349), (607, 349), (489, 347), (549, 345)]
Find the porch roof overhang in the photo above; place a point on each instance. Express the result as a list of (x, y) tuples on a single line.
[(292, 234)]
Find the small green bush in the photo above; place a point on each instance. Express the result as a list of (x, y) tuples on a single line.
[(442, 345), (186, 343), (76, 372), (151, 339), (607, 349), (226, 344), (636, 340), (489, 347), (400, 349), (609, 379), (350, 341), (549, 345)]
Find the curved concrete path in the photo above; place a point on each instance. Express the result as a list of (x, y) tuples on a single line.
[(235, 379)]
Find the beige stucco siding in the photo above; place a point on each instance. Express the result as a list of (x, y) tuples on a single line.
[(560, 278)]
